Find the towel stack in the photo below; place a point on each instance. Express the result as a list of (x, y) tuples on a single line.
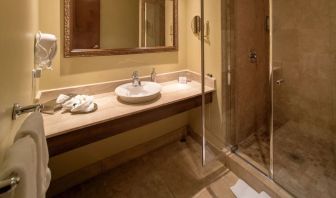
[(77, 104), (28, 157)]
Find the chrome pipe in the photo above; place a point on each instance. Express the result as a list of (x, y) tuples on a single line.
[(203, 84), (271, 76), (9, 184), (18, 109)]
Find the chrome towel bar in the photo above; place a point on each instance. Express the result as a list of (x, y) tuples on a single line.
[(18, 109), (9, 184)]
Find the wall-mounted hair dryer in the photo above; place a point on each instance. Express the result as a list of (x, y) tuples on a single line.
[(45, 50), (196, 25)]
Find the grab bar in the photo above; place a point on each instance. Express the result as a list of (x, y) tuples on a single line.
[(9, 184), (18, 109)]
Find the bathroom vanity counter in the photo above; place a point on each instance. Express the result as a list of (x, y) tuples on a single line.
[(67, 131)]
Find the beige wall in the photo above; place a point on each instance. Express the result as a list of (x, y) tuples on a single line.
[(215, 123), (119, 24), (304, 51), (77, 71), (19, 22)]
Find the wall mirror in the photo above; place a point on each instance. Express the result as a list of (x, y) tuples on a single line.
[(114, 27)]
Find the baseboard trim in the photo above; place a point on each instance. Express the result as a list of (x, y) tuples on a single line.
[(97, 168)]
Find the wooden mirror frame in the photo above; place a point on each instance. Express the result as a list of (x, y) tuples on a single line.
[(68, 35)]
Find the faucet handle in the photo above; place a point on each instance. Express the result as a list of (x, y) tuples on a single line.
[(135, 74), (153, 75), (135, 79)]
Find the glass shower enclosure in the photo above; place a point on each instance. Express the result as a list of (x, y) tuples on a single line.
[(304, 96), (282, 117)]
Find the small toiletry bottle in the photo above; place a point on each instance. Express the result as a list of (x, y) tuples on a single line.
[(183, 78)]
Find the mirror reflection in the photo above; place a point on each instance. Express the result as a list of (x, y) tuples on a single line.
[(119, 24)]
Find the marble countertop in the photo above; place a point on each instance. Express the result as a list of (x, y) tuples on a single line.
[(110, 108)]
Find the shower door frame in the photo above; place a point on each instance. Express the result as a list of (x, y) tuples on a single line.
[(229, 68), (271, 89), (203, 83)]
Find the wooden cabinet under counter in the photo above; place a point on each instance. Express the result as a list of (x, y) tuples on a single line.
[(65, 131)]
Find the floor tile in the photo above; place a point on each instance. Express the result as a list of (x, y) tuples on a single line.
[(174, 170)]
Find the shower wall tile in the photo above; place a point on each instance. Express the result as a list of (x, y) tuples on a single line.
[(305, 43), (288, 18), (313, 41), (286, 45), (251, 79), (305, 105)]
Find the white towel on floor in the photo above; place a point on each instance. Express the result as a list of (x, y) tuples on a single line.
[(21, 159), (242, 190), (33, 127), (264, 195)]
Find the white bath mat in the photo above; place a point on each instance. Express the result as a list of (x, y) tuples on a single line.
[(264, 195), (242, 190)]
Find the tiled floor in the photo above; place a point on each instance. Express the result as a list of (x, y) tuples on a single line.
[(304, 158), (172, 171), (257, 148)]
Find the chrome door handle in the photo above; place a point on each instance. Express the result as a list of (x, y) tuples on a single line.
[(280, 81), (9, 184), (253, 56)]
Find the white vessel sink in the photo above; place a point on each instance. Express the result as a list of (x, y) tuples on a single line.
[(146, 92)]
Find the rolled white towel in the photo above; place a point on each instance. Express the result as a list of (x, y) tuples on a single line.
[(84, 106), (68, 105), (80, 103), (62, 98)]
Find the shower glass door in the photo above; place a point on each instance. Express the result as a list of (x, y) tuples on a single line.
[(304, 96), (250, 90), (204, 55)]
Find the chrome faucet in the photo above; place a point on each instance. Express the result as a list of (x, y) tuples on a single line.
[(153, 75), (135, 79)]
